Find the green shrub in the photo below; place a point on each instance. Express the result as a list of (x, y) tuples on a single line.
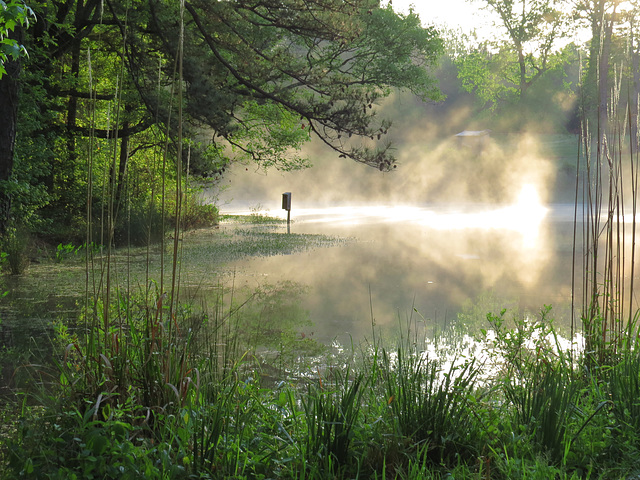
[(198, 215), (194, 213), (15, 248), (66, 443), (141, 225)]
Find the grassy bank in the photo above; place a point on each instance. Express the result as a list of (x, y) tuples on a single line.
[(149, 394)]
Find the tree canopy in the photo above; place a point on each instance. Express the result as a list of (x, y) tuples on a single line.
[(505, 68), (257, 73), (252, 80)]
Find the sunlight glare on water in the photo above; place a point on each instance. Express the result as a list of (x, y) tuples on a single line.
[(524, 217), (528, 214), (431, 256)]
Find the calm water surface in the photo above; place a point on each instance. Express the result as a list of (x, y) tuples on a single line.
[(426, 262)]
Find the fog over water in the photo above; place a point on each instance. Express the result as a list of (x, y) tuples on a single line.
[(458, 223)]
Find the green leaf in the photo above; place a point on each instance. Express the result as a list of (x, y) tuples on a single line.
[(10, 49)]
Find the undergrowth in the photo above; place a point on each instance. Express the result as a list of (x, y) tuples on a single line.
[(254, 219), (151, 395)]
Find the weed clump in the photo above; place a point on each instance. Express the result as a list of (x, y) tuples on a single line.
[(14, 256)]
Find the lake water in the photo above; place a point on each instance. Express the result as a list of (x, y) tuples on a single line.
[(429, 263), (453, 230)]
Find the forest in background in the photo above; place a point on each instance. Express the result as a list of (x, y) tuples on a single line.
[(92, 90), (101, 88)]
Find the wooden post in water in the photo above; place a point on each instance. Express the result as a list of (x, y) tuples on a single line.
[(286, 205)]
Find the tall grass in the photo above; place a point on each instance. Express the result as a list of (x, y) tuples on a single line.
[(607, 187), (431, 406), (332, 416), (544, 404), (145, 400), (624, 382)]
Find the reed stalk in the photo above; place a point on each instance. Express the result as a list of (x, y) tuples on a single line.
[(609, 196)]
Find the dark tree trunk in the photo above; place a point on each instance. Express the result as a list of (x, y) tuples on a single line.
[(122, 167), (72, 105), (9, 95)]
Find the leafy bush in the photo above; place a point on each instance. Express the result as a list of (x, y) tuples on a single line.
[(15, 249), (66, 251), (142, 225), (198, 215), (194, 213), (66, 443)]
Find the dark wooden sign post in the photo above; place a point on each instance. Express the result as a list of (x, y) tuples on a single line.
[(286, 205)]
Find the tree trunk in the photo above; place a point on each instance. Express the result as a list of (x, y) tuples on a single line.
[(523, 70), (72, 105), (9, 96), (122, 167)]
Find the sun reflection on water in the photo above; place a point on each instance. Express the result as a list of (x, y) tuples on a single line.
[(524, 217), (432, 256)]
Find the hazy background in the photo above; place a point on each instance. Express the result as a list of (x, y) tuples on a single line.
[(483, 221)]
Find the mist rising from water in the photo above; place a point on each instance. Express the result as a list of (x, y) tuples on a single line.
[(458, 218), (448, 170)]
